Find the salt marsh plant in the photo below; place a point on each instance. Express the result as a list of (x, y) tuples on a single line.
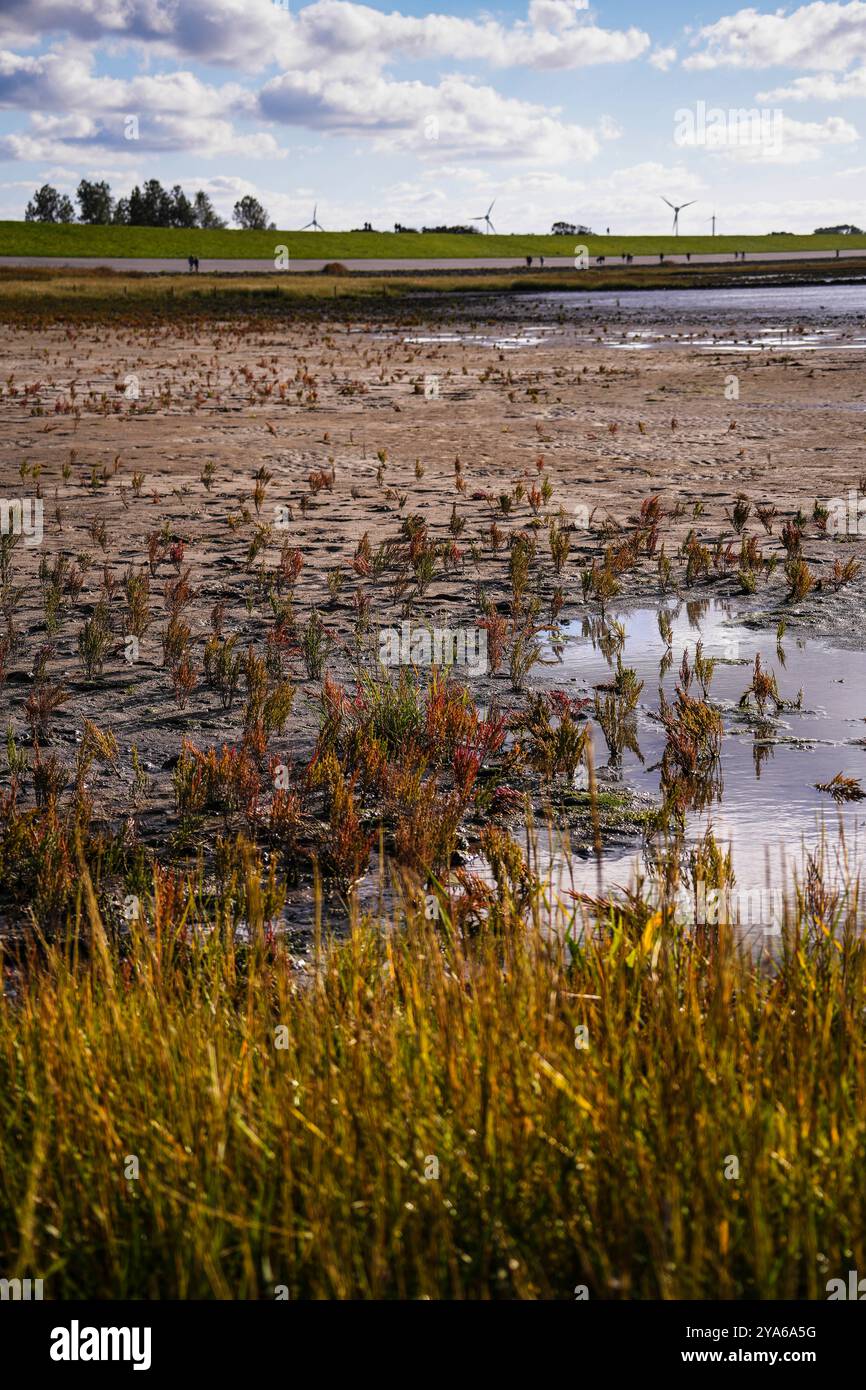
[(697, 559), (53, 578), (17, 759), (800, 579), (844, 572), (259, 541), (560, 545), (316, 642), (348, 845), (334, 580), (175, 641), (290, 566), (183, 680), (525, 652), (742, 510), (763, 688), (665, 571), (843, 788), (222, 667), (600, 582), (50, 779), (609, 637), (225, 782), (136, 588), (94, 640), (496, 628), (520, 561), (275, 709), (156, 551), (262, 478), (766, 515), (97, 745), (45, 698), (693, 729), (552, 733), (615, 712), (422, 556), (704, 669)]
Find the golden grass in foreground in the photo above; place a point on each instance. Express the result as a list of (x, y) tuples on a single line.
[(313, 1166)]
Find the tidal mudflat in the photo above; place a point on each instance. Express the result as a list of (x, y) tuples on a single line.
[(321, 637)]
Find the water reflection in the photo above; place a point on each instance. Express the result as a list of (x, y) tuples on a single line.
[(759, 795)]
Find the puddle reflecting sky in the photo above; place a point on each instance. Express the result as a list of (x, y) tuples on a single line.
[(770, 807)]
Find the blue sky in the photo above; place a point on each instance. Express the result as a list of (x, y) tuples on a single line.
[(558, 109)]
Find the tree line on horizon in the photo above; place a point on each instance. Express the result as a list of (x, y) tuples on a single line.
[(155, 206), (148, 206)]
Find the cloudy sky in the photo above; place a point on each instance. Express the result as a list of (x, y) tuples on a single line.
[(558, 109)]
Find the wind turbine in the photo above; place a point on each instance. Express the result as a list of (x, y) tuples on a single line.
[(677, 211), (485, 218), (713, 220), (317, 226)]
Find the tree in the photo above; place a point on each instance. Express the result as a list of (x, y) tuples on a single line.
[(157, 204), (47, 205), (457, 231), (205, 216), (121, 212), (95, 203), (570, 229), (182, 210), (135, 208), (150, 206), (250, 215)]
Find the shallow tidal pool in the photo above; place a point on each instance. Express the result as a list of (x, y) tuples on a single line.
[(766, 806)]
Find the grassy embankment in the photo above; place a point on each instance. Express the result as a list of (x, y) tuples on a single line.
[(39, 239)]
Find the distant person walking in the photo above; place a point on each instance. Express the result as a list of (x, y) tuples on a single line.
[(191, 260), (528, 262)]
